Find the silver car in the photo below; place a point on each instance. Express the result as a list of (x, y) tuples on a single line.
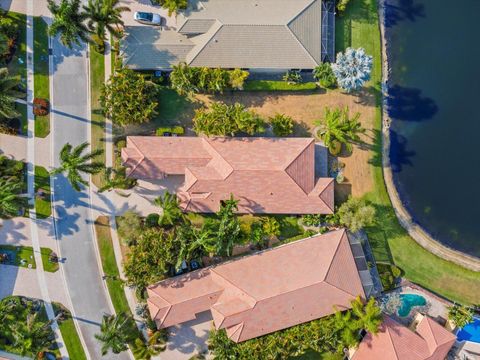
[(147, 18)]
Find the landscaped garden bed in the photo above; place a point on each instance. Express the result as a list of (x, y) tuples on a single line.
[(23, 256)]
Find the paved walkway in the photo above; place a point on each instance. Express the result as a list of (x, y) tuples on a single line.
[(41, 277), (16, 147)]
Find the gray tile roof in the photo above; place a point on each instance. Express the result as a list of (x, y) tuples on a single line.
[(151, 48), (270, 34)]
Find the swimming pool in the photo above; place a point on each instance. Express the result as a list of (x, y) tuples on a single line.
[(409, 301), (470, 332)]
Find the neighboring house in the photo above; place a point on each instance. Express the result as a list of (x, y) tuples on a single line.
[(266, 175), (264, 292), (251, 34), (429, 341)]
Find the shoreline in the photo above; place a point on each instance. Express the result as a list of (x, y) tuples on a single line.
[(405, 219)]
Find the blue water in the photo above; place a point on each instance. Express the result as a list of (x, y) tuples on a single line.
[(409, 301), (434, 98), (470, 332)]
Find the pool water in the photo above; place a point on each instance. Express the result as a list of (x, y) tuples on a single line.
[(409, 301), (470, 332)]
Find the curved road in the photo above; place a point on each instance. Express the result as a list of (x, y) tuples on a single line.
[(70, 122)]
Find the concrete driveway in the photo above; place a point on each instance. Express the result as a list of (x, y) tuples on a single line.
[(145, 6)]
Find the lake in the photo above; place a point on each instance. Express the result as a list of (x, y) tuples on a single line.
[(434, 103)]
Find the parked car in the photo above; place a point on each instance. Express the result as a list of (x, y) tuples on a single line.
[(147, 18)]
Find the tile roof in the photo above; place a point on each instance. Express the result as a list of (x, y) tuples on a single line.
[(266, 175), (266, 291), (270, 34), (396, 342)]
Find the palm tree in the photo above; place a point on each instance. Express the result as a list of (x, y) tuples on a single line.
[(155, 344), (74, 163), (105, 15), (11, 199), (33, 336), (338, 128), (171, 209), (369, 315), (68, 21), (116, 332), (8, 94), (113, 179)]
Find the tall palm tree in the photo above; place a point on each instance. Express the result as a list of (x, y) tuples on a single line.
[(68, 21), (105, 15), (338, 128), (8, 94), (115, 179), (155, 344), (11, 199), (171, 209), (33, 336), (369, 315), (116, 331), (73, 163)]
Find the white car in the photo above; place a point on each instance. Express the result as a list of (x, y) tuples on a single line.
[(147, 18)]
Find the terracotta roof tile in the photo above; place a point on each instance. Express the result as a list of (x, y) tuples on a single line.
[(267, 291), (267, 175)]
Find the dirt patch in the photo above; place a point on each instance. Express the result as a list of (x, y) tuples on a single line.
[(305, 109)]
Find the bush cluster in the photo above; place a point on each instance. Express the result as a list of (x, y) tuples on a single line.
[(227, 120), (8, 36), (282, 125), (325, 76), (177, 130), (41, 107), (190, 80)]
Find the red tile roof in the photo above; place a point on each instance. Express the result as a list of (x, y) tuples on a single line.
[(267, 175), (396, 342), (264, 292)]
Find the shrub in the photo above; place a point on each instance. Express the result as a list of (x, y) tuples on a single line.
[(98, 44), (461, 315), (311, 219), (129, 227), (128, 98), (41, 107), (227, 120), (178, 130), (282, 125), (324, 75), (190, 80), (152, 220), (355, 214), (171, 5), (396, 272), (292, 77), (342, 5)]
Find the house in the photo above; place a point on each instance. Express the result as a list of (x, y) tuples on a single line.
[(266, 175), (264, 292), (252, 34), (429, 341)]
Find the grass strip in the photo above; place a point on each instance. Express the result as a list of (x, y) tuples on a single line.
[(70, 335), (359, 27), (48, 265), (18, 65), (271, 85), (23, 255), (109, 265), (43, 206), (41, 73), (97, 79)]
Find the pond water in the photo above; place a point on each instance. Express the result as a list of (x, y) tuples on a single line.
[(434, 93)]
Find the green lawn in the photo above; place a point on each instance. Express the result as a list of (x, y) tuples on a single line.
[(97, 79), (172, 108), (22, 109), (41, 78), (70, 335), (270, 85), (109, 265), (390, 242), (26, 253), (42, 204), (18, 64)]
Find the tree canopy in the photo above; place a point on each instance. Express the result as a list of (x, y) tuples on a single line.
[(282, 125), (68, 22), (116, 331), (352, 69), (355, 214), (129, 98), (461, 315)]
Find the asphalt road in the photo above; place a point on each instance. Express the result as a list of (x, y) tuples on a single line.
[(74, 229)]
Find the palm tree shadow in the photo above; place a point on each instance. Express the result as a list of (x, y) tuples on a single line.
[(401, 10), (408, 104), (399, 153)]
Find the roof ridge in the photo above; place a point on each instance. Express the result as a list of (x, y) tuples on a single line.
[(142, 156), (202, 46), (236, 286), (301, 11), (391, 342), (221, 157), (334, 254), (300, 43), (321, 193), (285, 169)]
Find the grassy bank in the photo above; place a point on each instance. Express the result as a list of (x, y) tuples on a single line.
[(41, 72), (109, 265), (97, 79), (43, 206), (359, 27)]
